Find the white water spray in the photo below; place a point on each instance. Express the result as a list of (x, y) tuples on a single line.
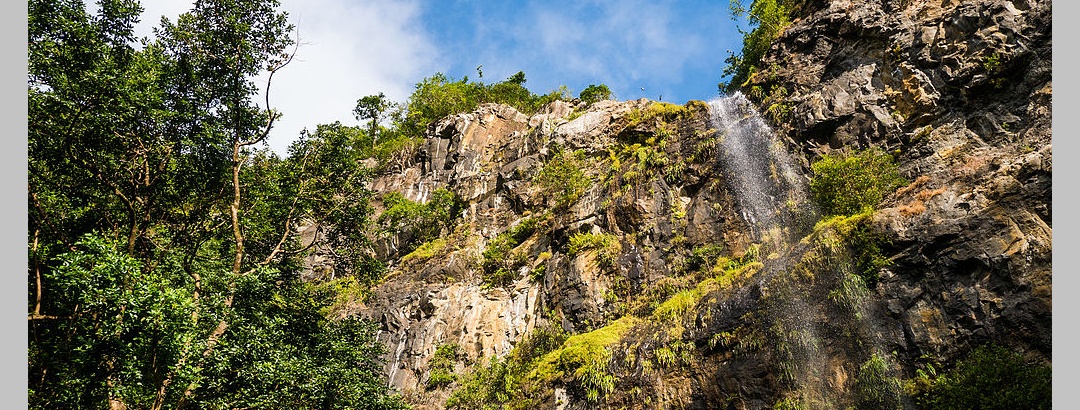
[(759, 170), (771, 197)]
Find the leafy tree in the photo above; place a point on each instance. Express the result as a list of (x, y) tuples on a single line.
[(595, 93), (438, 96), (159, 237), (768, 18), (372, 108), (990, 377), (326, 167), (562, 178)]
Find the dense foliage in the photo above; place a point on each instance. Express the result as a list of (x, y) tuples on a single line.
[(501, 382), (595, 93), (990, 377), (767, 19), (416, 222), (163, 269), (437, 96), (847, 183), (562, 179)]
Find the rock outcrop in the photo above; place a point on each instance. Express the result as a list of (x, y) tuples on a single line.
[(708, 308), (960, 93)]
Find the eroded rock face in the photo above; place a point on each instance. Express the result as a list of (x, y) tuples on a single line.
[(960, 93), (488, 158)]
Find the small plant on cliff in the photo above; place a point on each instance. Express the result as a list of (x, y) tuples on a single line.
[(501, 263), (875, 388), (562, 179), (441, 365), (848, 183), (423, 222), (660, 111), (607, 246)]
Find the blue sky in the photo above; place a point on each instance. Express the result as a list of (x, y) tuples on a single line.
[(669, 50)]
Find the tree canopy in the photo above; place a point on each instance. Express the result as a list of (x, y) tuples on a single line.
[(163, 270)]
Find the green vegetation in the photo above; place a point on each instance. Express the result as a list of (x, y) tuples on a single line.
[(426, 251), (848, 183), (607, 246), (595, 93), (501, 383), (993, 66), (853, 237), (438, 96), (441, 365), (500, 262), (704, 256), (768, 18), (418, 223), (584, 358), (163, 262), (547, 355), (674, 353), (659, 111), (846, 188), (990, 377), (875, 388), (562, 179)]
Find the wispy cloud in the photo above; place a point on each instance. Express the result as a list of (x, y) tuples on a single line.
[(627, 45), (348, 49)]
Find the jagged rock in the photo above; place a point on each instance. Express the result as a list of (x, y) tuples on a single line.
[(958, 92)]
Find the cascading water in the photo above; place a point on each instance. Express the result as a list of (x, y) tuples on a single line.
[(762, 175), (771, 196)]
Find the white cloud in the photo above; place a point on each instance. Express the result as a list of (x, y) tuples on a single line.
[(348, 49)]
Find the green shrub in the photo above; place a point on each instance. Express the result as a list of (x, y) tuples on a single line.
[(441, 366), (607, 246), (595, 93), (426, 250), (438, 96), (847, 184), (501, 382), (854, 237), (584, 358), (562, 179), (500, 263), (989, 378), (424, 222), (704, 256), (875, 388), (662, 111)]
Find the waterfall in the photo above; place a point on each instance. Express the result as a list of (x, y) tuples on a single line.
[(759, 171), (771, 196)]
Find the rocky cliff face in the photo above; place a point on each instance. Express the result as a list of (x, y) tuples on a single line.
[(961, 93), (710, 308), (489, 158)]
